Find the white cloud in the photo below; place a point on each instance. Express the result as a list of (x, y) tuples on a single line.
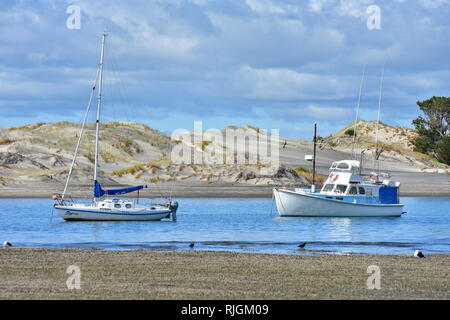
[(227, 57), (270, 8), (353, 8), (318, 5), (433, 4), (264, 6), (284, 84), (150, 31), (327, 113)]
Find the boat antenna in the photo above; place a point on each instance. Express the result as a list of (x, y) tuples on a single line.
[(378, 121), (314, 156), (357, 111), (99, 101)]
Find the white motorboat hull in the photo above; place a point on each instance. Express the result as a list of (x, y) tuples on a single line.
[(71, 213), (295, 204)]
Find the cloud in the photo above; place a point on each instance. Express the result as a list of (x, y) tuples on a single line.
[(353, 8), (256, 61), (318, 5), (327, 113), (264, 6), (433, 4), (283, 84)]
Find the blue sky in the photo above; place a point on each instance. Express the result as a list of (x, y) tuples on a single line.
[(271, 64)]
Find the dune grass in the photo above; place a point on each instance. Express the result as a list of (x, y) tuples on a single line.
[(142, 167), (308, 174), (6, 141)]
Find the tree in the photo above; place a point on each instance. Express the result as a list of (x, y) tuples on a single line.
[(350, 132), (437, 113), (433, 127), (443, 150)]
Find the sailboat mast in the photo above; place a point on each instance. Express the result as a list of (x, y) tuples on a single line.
[(99, 101), (314, 156), (378, 119), (357, 111)]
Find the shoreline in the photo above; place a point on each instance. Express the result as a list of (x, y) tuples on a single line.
[(187, 191), (27, 273), (205, 196)]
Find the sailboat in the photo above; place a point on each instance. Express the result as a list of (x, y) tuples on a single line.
[(101, 208), (345, 193)]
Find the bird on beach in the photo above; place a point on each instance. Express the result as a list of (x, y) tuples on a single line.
[(418, 254), (302, 245), (191, 245), (7, 244)]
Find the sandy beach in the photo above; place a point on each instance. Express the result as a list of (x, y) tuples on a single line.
[(413, 184), (144, 274)]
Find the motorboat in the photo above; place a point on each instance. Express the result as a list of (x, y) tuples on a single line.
[(345, 193)]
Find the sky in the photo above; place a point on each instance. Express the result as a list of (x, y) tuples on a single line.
[(270, 64)]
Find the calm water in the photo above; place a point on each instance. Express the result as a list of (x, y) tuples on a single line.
[(235, 224)]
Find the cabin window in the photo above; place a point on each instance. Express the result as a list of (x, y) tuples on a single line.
[(340, 188), (118, 206), (328, 187), (343, 166), (353, 190), (128, 206), (362, 190)]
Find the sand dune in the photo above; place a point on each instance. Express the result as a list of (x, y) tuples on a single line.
[(34, 160)]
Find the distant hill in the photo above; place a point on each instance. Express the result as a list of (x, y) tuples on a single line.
[(388, 135), (129, 153)]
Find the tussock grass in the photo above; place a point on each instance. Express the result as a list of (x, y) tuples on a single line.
[(46, 172), (108, 157), (204, 144), (308, 173), (399, 150), (6, 141), (90, 157), (27, 126), (5, 165), (155, 179), (258, 130), (65, 124), (161, 141), (141, 168), (128, 146)]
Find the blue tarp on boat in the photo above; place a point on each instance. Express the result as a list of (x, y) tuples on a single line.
[(388, 195), (99, 192)]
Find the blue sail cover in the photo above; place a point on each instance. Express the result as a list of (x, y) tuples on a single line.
[(99, 192)]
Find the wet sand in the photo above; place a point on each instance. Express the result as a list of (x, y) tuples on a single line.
[(144, 274)]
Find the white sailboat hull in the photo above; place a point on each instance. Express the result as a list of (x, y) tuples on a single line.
[(71, 213), (294, 204)]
